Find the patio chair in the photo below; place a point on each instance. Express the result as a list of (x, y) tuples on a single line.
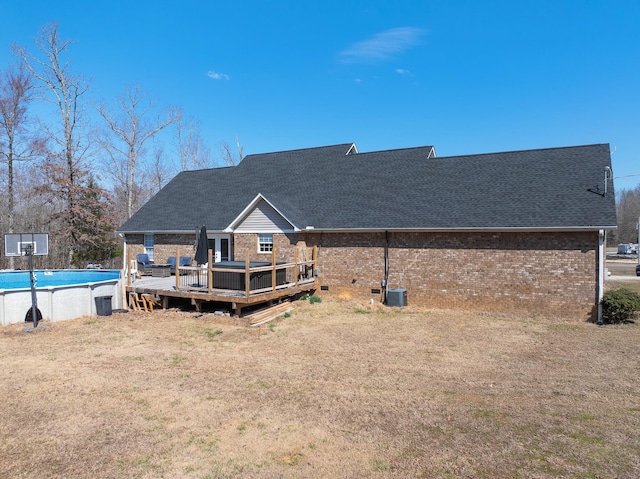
[(144, 264), (185, 261), (171, 261)]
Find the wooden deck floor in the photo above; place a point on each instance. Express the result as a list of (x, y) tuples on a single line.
[(165, 288)]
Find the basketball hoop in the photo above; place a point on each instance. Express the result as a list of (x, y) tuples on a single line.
[(29, 245)]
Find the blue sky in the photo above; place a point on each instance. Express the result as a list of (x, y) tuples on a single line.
[(465, 76)]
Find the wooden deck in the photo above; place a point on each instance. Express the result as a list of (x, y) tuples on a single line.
[(277, 281)]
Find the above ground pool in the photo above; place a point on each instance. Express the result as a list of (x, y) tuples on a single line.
[(61, 294), (64, 277)]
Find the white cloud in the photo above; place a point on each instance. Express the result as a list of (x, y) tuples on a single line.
[(217, 76), (402, 71), (382, 46)]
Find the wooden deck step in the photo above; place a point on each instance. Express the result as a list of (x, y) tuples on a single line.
[(268, 314)]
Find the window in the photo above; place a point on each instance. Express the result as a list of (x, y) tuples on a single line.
[(265, 243), (148, 245), (224, 249)]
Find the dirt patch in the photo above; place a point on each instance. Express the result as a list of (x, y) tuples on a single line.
[(337, 389)]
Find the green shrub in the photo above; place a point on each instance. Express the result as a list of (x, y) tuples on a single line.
[(315, 299), (618, 305), (312, 299)]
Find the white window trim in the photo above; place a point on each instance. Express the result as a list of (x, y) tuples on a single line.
[(265, 242)]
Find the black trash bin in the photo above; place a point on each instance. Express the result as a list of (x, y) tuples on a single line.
[(103, 305)]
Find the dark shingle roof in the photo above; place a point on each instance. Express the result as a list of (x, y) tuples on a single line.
[(394, 189)]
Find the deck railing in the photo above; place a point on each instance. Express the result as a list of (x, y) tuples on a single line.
[(248, 280)]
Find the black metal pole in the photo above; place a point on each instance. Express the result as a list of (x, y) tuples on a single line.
[(34, 297)]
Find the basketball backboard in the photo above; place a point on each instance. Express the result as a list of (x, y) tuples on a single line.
[(21, 244)]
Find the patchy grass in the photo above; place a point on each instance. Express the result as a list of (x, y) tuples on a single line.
[(337, 392), (632, 285)]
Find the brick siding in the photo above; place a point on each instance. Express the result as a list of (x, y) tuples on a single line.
[(552, 274), (164, 245), (244, 243), (549, 274)]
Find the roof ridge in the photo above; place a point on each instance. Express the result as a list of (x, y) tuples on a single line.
[(217, 168), (397, 149), (492, 153), (296, 150)]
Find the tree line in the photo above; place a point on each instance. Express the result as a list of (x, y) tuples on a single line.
[(76, 179), (628, 212), (79, 181)]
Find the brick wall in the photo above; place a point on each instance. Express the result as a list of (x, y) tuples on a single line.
[(248, 242), (552, 274), (164, 246)]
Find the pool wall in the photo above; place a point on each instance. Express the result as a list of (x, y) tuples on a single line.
[(58, 303)]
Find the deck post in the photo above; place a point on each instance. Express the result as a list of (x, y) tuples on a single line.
[(210, 272), (273, 268), (247, 275), (315, 261), (296, 268), (177, 269), (127, 265), (126, 272)]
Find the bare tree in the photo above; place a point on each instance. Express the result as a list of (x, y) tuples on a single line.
[(15, 94), (628, 212), (228, 157), (129, 130), (194, 153), (160, 174), (16, 144), (64, 90)]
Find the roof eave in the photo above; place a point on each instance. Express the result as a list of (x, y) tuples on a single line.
[(501, 229), (166, 232)]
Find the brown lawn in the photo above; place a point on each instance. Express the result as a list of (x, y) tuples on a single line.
[(336, 390)]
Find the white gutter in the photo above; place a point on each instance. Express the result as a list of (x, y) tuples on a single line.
[(168, 232), (506, 229)]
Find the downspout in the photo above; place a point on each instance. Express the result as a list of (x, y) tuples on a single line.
[(601, 271), (385, 280)]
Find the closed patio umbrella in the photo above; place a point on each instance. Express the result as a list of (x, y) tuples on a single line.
[(202, 248)]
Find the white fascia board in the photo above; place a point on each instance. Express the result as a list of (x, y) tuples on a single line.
[(249, 208), (168, 232), (465, 230)]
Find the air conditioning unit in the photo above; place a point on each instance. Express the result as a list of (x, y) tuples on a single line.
[(397, 297)]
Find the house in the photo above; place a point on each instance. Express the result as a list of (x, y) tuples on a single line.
[(518, 231)]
